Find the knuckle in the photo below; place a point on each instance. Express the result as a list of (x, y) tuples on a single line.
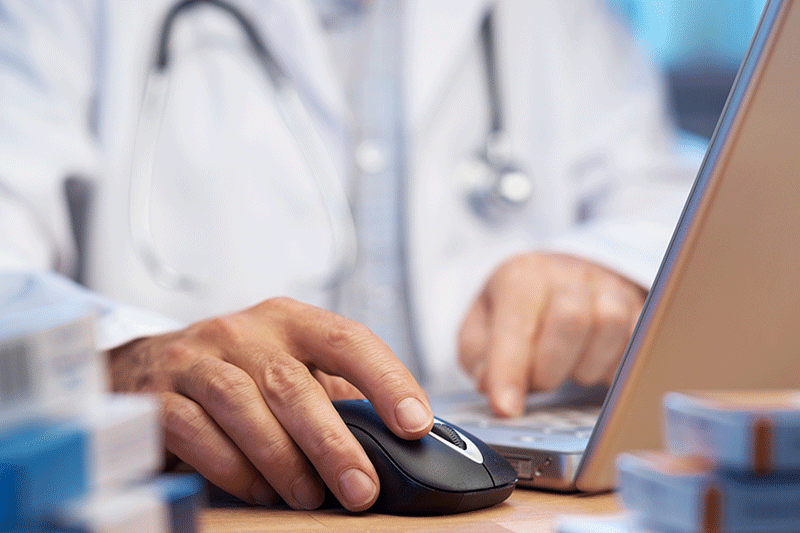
[(340, 388), (187, 420), (278, 452), (570, 319), (327, 443), (187, 427), (279, 305), (285, 378), (225, 384), (392, 377), (597, 364), (178, 351), (341, 335), (222, 328), (184, 418), (280, 301), (225, 466), (517, 267), (612, 314)]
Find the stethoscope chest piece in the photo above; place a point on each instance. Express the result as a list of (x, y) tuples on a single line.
[(496, 187)]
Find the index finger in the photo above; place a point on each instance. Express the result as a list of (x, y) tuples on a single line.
[(345, 348), (473, 339), (514, 315)]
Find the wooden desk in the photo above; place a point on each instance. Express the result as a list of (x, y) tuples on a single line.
[(525, 511)]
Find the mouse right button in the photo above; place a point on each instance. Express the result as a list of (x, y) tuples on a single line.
[(500, 470)]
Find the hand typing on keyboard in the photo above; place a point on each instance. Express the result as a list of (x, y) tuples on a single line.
[(543, 318)]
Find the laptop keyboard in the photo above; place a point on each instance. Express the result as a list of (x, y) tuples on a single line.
[(571, 422)]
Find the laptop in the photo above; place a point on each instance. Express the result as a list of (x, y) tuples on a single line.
[(724, 310)]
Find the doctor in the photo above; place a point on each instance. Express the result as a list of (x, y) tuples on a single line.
[(530, 284)]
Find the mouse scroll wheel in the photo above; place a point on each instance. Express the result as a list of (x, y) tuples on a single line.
[(449, 434)]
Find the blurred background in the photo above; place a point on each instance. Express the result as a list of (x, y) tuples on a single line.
[(700, 44)]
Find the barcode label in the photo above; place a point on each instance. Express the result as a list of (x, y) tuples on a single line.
[(15, 376)]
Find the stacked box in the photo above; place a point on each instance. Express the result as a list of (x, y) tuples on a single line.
[(748, 431), (48, 362), (74, 458), (731, 464), (41, 466)]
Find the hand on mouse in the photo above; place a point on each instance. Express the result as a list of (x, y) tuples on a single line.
[(244, 400), (542, 318)]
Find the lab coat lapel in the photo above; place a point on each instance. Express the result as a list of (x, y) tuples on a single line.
[(436, 35), (295, 37)]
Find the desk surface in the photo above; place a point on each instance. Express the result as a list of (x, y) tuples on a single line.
[(525, 511)]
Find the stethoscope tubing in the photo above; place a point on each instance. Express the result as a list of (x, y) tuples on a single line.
[(502, 186), (297, 119)]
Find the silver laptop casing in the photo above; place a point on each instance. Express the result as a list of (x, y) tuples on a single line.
[(724, 310)]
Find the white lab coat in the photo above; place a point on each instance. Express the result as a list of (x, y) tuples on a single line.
[(234, 203)]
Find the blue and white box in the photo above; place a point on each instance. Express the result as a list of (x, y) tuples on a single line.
[(758, 431), (165, 504), (124, 440), (689, 494), (41, 467), (49, 363)]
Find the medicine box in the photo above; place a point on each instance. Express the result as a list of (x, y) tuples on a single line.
[(757, 431), (688, 493)]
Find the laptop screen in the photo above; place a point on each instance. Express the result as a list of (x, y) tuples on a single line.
[(724, 310)]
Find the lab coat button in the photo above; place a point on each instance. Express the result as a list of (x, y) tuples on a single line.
[(371, 157)]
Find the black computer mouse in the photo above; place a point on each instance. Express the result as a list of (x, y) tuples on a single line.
[(446, 471)]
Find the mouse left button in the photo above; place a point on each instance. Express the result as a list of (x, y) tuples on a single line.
[(399, 493)]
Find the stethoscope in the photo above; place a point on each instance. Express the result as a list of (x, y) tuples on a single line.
[(495, 186)]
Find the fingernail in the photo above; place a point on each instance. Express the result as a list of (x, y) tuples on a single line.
[(509, 402), (262, 493), (357, 488), (307, 494), (412, 415)]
